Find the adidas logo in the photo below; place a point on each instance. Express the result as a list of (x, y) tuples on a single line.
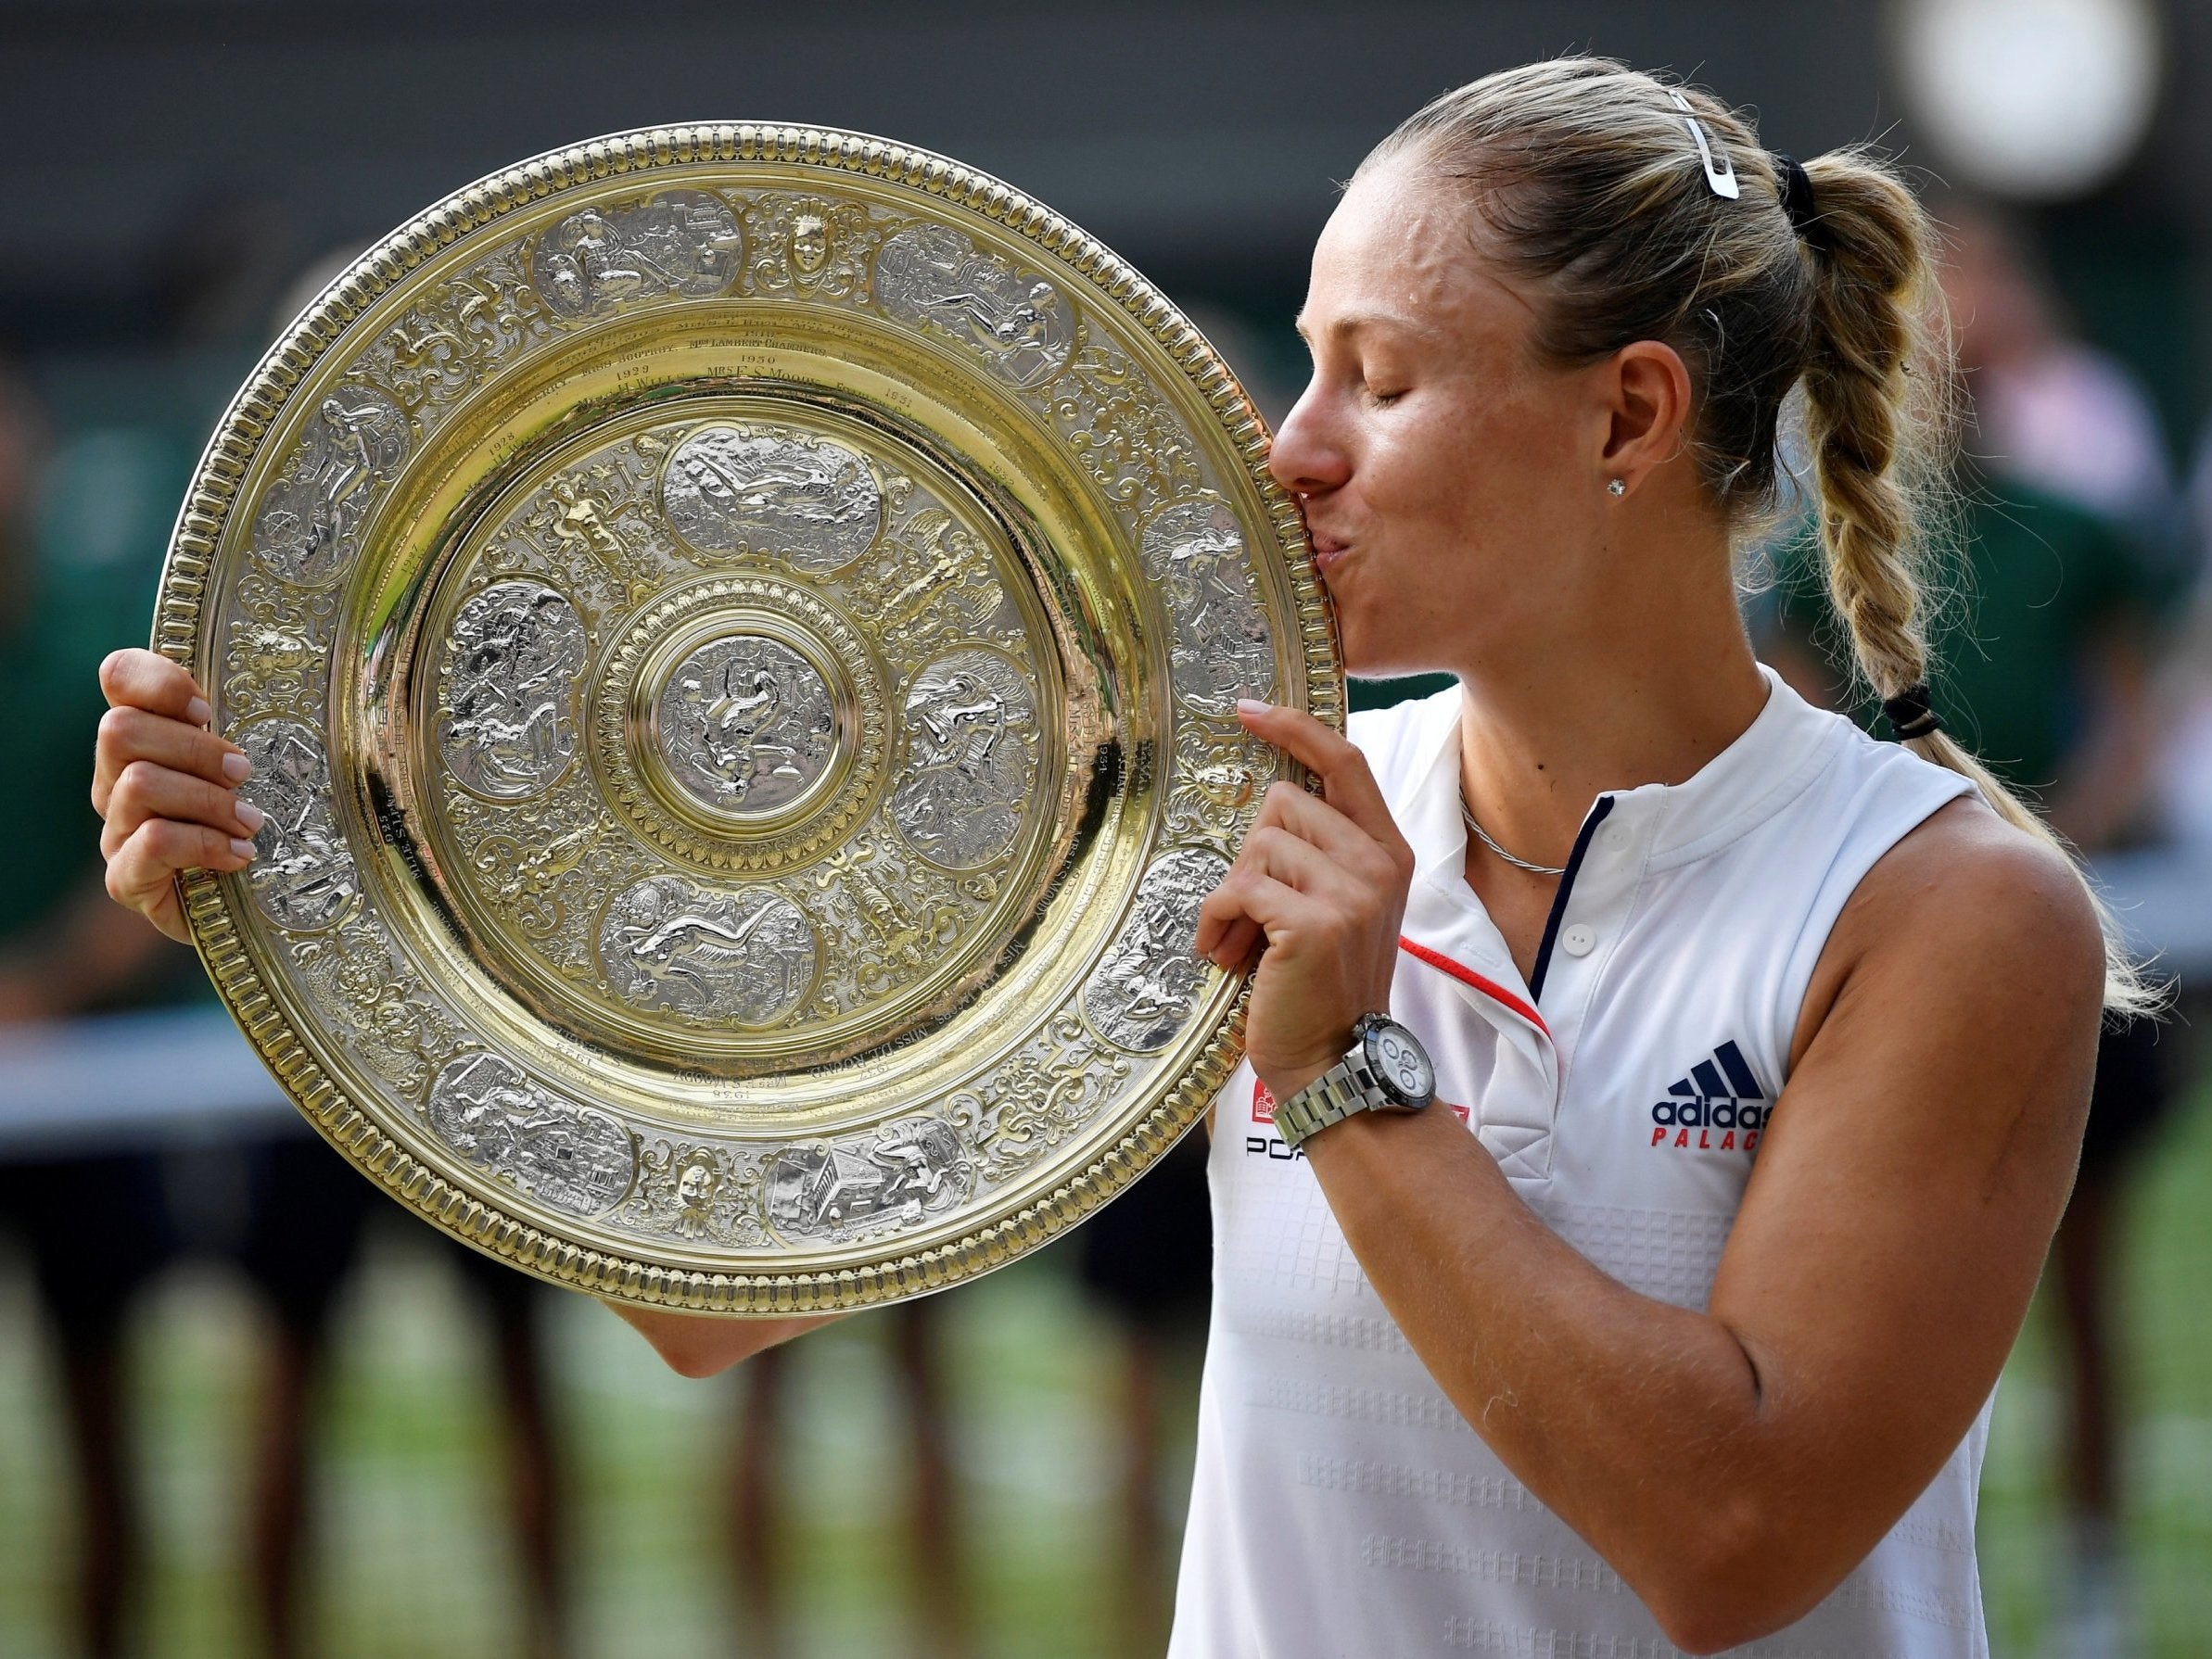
[(1718, 1108)]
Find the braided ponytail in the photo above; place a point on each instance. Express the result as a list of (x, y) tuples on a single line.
[(1881, 417), (1579, 170)]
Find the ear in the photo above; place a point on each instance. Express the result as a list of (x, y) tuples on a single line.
[(1646, 390)]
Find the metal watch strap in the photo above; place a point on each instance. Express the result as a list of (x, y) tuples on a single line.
[(1345, 1088)]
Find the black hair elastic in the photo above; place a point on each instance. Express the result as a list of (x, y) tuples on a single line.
[(1910, 713), (1796, 199)]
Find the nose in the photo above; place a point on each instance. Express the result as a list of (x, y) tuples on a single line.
[(1307, 458)]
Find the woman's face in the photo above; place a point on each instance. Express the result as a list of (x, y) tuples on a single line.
[(1450, 478)]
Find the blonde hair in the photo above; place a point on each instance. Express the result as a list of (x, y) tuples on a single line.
[(1589, 184)]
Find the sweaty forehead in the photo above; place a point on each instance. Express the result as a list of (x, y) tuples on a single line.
[(1400, 256)]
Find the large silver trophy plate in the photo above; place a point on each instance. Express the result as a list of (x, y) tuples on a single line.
[(737, 630)]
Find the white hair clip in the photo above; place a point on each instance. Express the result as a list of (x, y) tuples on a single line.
[(1720, 172)]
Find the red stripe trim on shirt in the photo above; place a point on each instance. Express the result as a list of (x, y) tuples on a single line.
[(1467, 976)]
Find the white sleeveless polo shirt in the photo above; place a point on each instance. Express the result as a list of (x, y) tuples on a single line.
[(1341, 1506)]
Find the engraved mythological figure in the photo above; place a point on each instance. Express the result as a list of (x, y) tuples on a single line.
[(808, 246), (885, 1181), (593, 524), (568, 1158), (302, 877), (937, 279), (809, 243), (692, 1191), (275, 660), (1218, 775), (508, 729), (885, 939), (744, 956), (697, 1178), (264, 652), (944, 581), (310, 518), (577, 524), (1146, 987), (746, 724), (524, 870), (1194, 553), (970, 758), (684, 242), (653, 764), (802, 500)]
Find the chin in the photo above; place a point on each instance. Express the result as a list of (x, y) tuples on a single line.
[(1371, 653)]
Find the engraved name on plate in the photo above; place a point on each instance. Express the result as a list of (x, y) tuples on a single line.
[(1149, 983), (302, 876), (508, 724), (684, 242), (1222, 648), (746, 724), (970, 757), (747, 957), (937, 279), (568, 1156), (870, 1185), (310, 517), (806, 501)]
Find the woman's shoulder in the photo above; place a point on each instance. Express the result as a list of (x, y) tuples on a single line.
[(1967, 893)]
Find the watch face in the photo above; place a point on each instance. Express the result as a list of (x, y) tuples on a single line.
[(1400, 1064)]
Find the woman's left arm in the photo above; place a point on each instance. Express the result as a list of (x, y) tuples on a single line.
[(1733, 1466)]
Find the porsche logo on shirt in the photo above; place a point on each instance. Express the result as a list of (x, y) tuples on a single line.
[(1274, 1146)]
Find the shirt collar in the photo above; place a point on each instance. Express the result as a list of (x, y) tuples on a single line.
[(1774, 758)]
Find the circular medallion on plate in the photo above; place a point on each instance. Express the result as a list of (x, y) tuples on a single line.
[(738, 629), (744, 725)]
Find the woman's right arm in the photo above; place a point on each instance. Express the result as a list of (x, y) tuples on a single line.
[(167, 787), (167, 790)]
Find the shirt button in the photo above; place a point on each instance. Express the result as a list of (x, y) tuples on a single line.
[(1578, 941)]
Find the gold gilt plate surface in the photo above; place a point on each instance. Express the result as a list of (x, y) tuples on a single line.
[(737, 629)]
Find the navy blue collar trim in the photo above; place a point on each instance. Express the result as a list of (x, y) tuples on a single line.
[(1551, 922)]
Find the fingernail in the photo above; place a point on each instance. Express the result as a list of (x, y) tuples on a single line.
[(197, 713), (1252, 705), (251, 817), (242, 849), (236, 768)]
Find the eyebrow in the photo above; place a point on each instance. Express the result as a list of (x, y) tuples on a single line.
[(1351, 323)]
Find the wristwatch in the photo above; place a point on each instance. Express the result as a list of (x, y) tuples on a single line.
[(1387, 1070)]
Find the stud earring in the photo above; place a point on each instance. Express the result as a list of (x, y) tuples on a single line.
[(1618, 486)]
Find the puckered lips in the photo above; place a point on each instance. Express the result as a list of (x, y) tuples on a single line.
[(1327, 551)]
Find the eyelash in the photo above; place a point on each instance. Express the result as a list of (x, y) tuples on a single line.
[(1383, 399)]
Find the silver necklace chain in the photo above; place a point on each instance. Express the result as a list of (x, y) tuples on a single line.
[(1483, 835)]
